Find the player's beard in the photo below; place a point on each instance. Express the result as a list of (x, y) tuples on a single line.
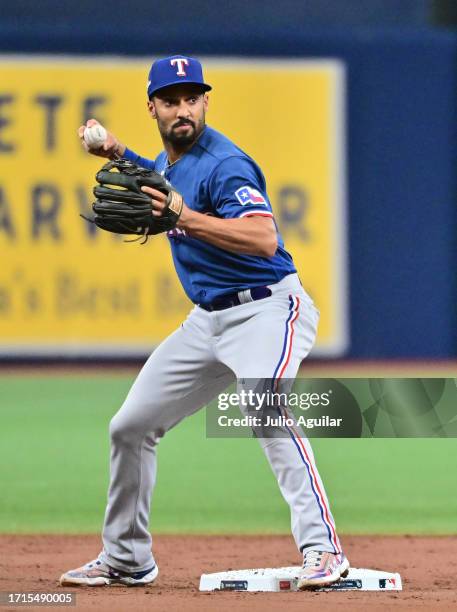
[(184, 139)]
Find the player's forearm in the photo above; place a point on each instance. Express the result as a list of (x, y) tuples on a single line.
[(249, 235)]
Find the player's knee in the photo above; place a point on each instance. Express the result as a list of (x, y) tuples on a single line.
[(123, 432)]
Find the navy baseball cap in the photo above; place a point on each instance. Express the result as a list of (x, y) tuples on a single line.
[(173, 71)]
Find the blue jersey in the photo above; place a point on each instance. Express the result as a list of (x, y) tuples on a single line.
[(217, 178)]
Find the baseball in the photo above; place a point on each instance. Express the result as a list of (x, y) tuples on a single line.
[(95, 136)]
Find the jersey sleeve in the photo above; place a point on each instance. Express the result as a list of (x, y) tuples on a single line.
[(144, 162), (237, 189)]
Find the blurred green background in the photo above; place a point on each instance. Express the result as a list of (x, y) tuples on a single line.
[(54, 470)]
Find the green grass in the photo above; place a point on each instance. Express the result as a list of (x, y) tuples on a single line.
[(54, 471)]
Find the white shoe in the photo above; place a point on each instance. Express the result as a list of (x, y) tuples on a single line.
[(322, 568), (98, 573)]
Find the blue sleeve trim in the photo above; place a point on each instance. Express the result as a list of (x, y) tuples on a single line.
[(144, 162)]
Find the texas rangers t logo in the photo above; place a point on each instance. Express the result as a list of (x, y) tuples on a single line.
[(180, 62), (249, 195)]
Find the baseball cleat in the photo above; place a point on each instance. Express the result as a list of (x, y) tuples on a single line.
[(98, 573), (321, 569)]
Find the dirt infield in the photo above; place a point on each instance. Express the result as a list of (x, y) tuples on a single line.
[(426, 564)]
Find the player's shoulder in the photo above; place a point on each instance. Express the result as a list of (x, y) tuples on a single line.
[(224, 156), (217, 146)]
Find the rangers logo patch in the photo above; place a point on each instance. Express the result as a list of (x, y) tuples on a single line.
[(249, 195)]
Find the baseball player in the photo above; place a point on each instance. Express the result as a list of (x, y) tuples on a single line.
[(252, 319)]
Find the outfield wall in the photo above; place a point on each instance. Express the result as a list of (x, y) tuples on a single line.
[(87, 291)]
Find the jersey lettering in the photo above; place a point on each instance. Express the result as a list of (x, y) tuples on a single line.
[(175, 232)]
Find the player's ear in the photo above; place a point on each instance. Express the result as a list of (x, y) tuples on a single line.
[(152, 108), (205, 102)]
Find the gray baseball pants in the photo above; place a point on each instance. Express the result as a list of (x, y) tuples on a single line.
[(262, 339)]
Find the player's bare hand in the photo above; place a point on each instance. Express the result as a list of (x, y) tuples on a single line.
[(112, 148), (158, 199), (159, 202)]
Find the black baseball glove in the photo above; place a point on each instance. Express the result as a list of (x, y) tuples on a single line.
[(121, 207)]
